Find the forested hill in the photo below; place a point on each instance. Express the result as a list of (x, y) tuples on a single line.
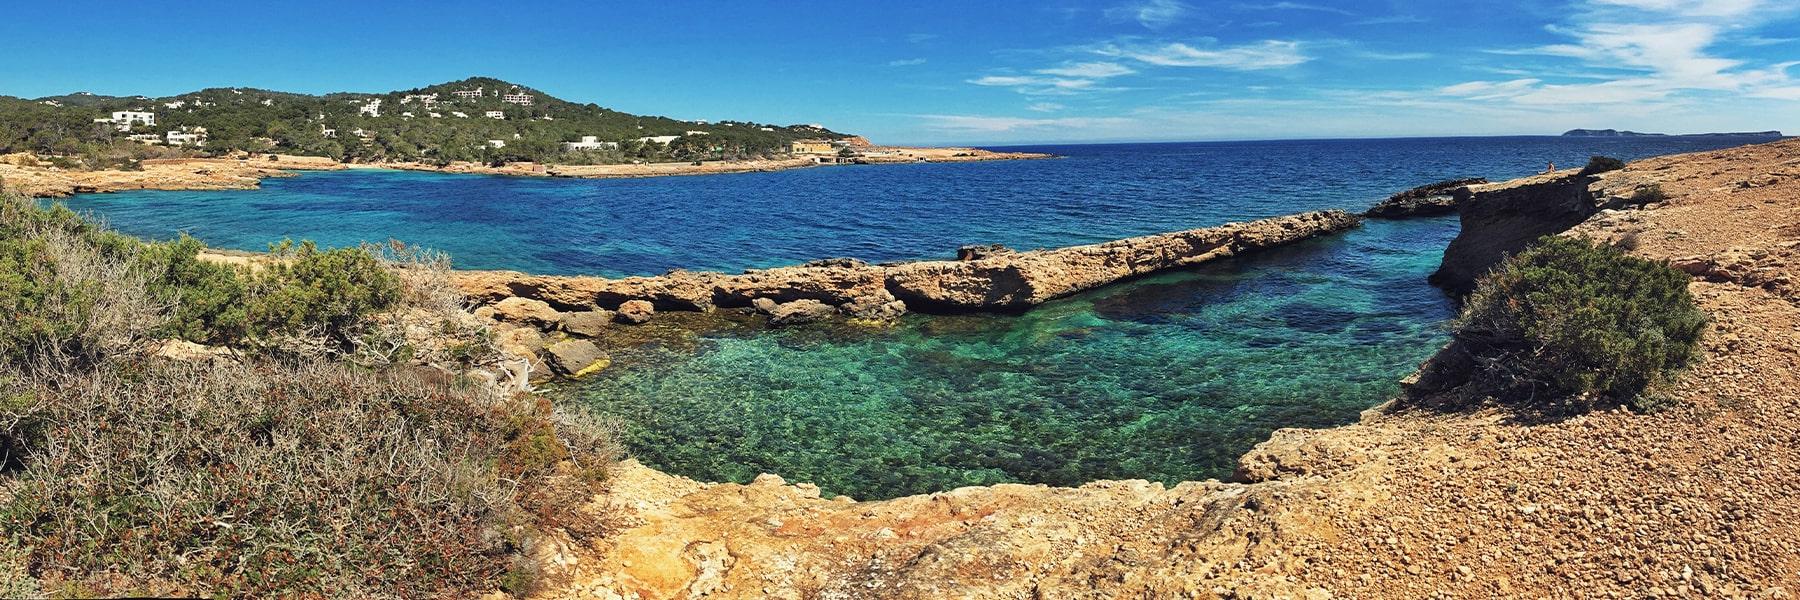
[(471, 119)]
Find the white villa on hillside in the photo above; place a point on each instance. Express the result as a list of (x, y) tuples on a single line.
[(494, 114), (468, 94), (519, 99), (660, 139), (187, 136), (373, 108), (459, 114), (124, 119), (424, 99), (496, 143), (589, 142)]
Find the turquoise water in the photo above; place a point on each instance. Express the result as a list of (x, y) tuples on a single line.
[(1167, 378)]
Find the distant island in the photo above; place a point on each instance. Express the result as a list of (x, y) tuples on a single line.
[(1618, 133)]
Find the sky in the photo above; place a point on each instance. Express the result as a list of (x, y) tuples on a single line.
[(929, 72)]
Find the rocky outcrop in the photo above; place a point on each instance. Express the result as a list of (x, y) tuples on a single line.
[(35, 179), (1429, 200), (986, 280), (1503, 218)]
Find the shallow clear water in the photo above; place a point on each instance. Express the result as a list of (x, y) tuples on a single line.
[(1167, 378)]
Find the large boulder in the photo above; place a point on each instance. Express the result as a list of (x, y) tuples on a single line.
[(587, 323), (800, 311), (576, 358), (635, 312), (525, 311)]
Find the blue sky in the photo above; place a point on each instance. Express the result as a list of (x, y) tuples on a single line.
[(981, 72)]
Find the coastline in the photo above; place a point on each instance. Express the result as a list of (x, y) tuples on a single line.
[(1414, 499), (36, 180)]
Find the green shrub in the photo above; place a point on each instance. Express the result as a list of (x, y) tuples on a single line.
[(1569, 320), (1602, 164), (1647, 194), (322, 295)]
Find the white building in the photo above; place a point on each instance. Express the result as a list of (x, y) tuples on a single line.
[(494, 114), (468, 94), (124, 119), (519, 99), (175, 104), (459, 115), (186, 136), (436, 115), (145, 138), (496, 143), (660, 139), (427, 100), (695, 133), (589, 142), (373, 108), (327, 132), (407, 115)]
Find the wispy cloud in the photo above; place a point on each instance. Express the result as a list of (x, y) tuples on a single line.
[(1152, 14), (1654, 50), (1372, 55), (1295, 6), (983, 124), (1045, 107), (1268, 54), (1088, 70), (906, 62), (1064, 79)]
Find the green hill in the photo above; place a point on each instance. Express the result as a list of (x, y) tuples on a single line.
[(437, 123)]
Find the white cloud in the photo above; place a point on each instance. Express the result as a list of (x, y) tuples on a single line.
[(1035, 84), (1690, 8), (1090, 70), (991, 124), (1153, 14), (1295, 6), (1268, 54), (906, 62), (1394, 55), (1045, 107)]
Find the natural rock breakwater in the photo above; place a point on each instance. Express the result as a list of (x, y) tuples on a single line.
[(998, 280), (554, 319)]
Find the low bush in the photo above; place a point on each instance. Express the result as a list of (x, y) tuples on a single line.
[(274, 479), (1602, 164), (1648, 194), (1569, 321)]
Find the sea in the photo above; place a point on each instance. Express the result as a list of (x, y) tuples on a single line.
[(1167, 378)]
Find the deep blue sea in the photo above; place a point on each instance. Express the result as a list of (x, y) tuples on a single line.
[(1166, 378)]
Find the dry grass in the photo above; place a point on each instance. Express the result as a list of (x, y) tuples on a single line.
[(318, 474)]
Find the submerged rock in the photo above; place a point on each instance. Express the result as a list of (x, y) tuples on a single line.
[(800, 311), (576, 358)]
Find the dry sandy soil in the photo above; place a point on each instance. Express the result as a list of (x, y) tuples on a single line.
[(1699, 500)]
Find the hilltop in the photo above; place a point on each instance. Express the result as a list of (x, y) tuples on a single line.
[(479, 119)]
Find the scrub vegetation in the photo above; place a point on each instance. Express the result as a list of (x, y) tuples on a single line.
[(282, 460)]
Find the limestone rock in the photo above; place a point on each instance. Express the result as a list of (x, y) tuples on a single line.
[(636, 312), (1503, 218), (1431, 199), (526, 311), (576, 358), (587, 323), (800, 311)]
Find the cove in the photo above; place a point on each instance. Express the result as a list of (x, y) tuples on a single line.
[(1167, 378)]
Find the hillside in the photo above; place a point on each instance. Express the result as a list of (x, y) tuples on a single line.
[(477, 119)]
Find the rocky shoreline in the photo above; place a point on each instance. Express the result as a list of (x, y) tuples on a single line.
[(26, 174), (983, 279), (1419, 499)]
